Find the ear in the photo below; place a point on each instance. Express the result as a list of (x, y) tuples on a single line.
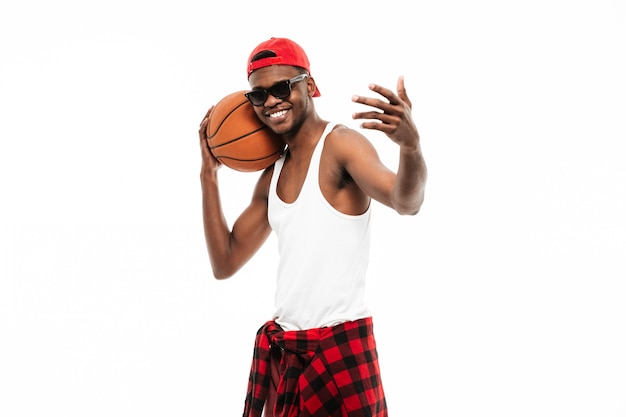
[(310, 86)]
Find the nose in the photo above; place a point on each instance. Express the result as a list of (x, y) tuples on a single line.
[(271, 101)]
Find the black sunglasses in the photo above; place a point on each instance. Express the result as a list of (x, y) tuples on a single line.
[(281, 90)]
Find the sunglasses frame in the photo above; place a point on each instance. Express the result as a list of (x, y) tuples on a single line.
[(271, 90)]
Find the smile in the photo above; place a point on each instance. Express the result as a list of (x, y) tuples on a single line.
[(277, 114)]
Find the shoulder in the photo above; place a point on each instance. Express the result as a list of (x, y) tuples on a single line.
[(340, 131), (346, 143)]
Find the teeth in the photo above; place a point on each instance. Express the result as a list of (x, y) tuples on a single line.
[(278, 114)]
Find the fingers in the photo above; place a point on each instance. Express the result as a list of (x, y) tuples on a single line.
[(394, 102), (203, 124), (208, 160), (392, 99), (402, 92), (202, 133), (384, 107), (383, 117), (389, 115), (207, 116)]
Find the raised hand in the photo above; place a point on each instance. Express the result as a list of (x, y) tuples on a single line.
[(392, 116)]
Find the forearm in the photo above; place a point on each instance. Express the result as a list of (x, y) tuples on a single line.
[(216, 230), (410, 182)]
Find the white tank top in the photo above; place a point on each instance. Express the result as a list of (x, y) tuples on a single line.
[(323, 255)]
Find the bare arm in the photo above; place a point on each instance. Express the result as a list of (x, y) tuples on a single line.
[(230, 249), (393, 117)]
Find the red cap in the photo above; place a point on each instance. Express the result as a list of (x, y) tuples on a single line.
[(286, 52)]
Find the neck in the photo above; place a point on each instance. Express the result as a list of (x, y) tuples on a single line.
[(307, 134)]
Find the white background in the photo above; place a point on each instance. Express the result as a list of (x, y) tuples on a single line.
[(505, 296)]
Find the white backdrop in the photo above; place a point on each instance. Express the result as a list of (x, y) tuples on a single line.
[(503, 297)]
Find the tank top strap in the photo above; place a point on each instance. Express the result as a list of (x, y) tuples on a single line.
[(314, 165), (278, 167)]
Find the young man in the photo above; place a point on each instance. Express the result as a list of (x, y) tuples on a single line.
[(317, 355)]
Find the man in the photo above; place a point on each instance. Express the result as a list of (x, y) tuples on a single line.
[(317, 355)]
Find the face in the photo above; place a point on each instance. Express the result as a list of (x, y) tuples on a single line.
[(280, 109)]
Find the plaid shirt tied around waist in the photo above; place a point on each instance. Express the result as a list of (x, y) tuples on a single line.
[(324, 372)]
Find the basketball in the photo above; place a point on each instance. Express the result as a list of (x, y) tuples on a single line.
[(238, 139)]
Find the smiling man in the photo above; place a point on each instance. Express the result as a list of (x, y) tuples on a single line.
[(317, 355)]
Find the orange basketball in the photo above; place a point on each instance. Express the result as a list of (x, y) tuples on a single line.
[(237, 137)]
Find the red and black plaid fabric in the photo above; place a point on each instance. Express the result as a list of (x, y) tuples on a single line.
[(325, 372)]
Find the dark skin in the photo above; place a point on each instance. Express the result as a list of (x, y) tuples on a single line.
[(351, 172)]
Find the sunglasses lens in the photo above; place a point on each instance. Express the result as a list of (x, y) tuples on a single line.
[(281, 90), (257, 98)]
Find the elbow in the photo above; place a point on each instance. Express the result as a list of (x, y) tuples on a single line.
[(408, 202), (222, 272), (409, 208), (221, 265), (221, 277), (409, 211)]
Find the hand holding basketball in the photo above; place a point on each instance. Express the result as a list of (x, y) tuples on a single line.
[(208, 160)]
